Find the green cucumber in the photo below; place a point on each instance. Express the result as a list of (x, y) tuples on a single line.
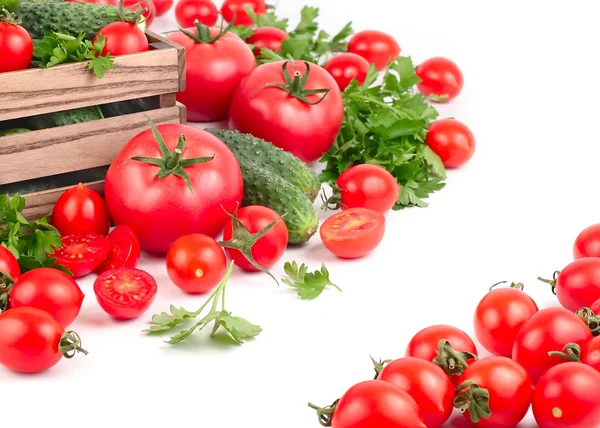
[(124, 107), (13, 131), (62, 118), (249, 148), (263, 187)]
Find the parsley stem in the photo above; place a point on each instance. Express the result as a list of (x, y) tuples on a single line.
[(400, 113)]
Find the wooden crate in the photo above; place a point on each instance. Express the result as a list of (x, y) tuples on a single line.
[(39, 157)]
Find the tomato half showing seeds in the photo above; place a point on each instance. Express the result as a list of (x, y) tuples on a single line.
[(124, 249), (267, 37), (50, 290), (80, 210), (578, 285), (345, 67), (568, 395), (82, 253), (188, 11), (440, 77), (376, 47), (353, 233), (587, 243), (368, 186), (8, 264), (452, 141), (427, 384), (125, 293)]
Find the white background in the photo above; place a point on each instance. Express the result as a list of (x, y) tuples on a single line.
[(530, 97)]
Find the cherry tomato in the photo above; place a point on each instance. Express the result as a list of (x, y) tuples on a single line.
[(368, 186), (347, 66), (50, 290), (376, 47), (80, 210), (587, 243), (30, 338), (162, 6), (509, 386), (548, 330), (236, 9), (125, 293), (196, 263), (595, 307), (16, 47), (440, 77), (353, 233), (124, 249), (188, 11), (568, 395), (578, 284), (146, 5), (267, 250), (452, 141), (267, 37), (590, 353), (499, 318), (9, 264), (427, 384), (82, 253), (123, 38)]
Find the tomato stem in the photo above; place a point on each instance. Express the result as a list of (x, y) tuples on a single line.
[(333, 202), (203, 32), (470, 396), (453, 362), (9, 17), (6, 284), (517, 285), (552, 281), (571, 352), (591, 319), (325, 414), (379, 365), (70, 344)]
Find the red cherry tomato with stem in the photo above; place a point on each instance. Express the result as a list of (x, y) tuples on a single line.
[(452, 141), (82, 253), (368, 186), (125, 293), (146, 5), (267, 37), (345, 67), (236, 9), (440, 77), (595, 307), (80, 210), (376, 47), (578, 284), (124, 249), (188, 11), (123, 38), (353, 233)]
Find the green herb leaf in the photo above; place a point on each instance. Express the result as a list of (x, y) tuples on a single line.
[(237, 327), (309, 285)]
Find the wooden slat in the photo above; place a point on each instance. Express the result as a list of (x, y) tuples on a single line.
[(182, 113), (74, 147), (157, 38), (41, 203)]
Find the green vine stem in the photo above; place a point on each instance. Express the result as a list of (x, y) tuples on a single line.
[(453, 362), (470, 396), (516, 285), (552, 281), (70, 344), (6, 284), (571, 352), (325, 414), (591, 319)]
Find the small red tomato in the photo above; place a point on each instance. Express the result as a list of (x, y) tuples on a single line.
[(50, 290), (196, 263), (353, 233), (125, 293), (427, 384), (347, 66), (122, 38), (376, 47), (595, 307), (452, 141), (578, 285), (267, 37), (368, 186), (440, 77), (80, 210), (16, 47), (236, 9), (146, 5), (162, 6), (187, 12), (124, 249), (590, 353), (568, 395), (587, 243), (9, 264), (82, 253), (499, 318)]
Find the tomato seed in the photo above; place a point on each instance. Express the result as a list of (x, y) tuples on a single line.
[(557, 412)]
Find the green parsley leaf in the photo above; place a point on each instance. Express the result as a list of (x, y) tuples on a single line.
[(237, 327), (309, 285)]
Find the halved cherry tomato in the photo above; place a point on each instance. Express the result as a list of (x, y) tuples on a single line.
[(368, 186), (440, 77), (82, 253), (587, 243), (80, 210), (353, 233), (347, 66), (267, 37), (124, 249), (125, 293)]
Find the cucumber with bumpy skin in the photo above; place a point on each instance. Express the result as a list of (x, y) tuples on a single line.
[(13, 131), (62, 118), (124, 107)]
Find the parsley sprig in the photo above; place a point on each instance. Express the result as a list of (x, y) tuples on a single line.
[(309, 285)]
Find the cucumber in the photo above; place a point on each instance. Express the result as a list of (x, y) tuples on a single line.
[(266, 188), (62, 118), (13, 131), (249, 148), (124, 107)]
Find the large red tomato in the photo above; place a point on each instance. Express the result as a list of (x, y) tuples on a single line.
[(80, 210), (578, 285), (290, 115), (214, 66), (156, 201)]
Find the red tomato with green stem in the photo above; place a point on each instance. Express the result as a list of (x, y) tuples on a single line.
[(188, 11), (568, 395), (345, 67), (587, 243), (235, 10), (267, 37), (188, 178), (510, 392), (353, 233), (8, 264), (196, 263), (16, 47), (427, 384), (216, 61), (277, 100), (122, 38), (578, 284), (125, 293), (499, 317), (50, 290), (80, 210), (452, 141), (32, 341), (372, 404), (162, 6), (149, 10), (440, 77), (377, 47), (82, 253), (124, 249)]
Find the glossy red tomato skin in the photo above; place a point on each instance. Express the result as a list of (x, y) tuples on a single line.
[(368, 186), (162, 6), (123, 38), (377, 47), (548, 330), (272, 114), (237, 9), (595, 307), (124, 249), (509, 386), (196, 263), (80, 210), (353, 233), (170, 210), (590, 353), (9, 264), (269, 249), (578, 284), (440, 76), (452, 141), (499, 318), (587, 243), (213, 72), (568, 395), (29, 340), (148, 5), (125, 293), (427, 384), (347, 66), (16, 48), (50, 290), (188, 11), (267, 37), (377, 404), (82, 253)]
